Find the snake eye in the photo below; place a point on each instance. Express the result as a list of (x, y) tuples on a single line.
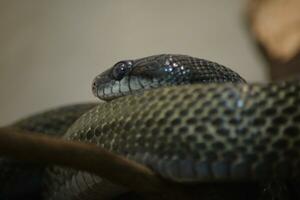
[(120, 70)]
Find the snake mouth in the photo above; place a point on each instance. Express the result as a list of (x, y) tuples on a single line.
[(107, 89), (102, 87)]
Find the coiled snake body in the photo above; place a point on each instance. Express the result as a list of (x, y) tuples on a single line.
[(190, 120)]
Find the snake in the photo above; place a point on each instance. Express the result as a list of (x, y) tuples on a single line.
[(192, 121)]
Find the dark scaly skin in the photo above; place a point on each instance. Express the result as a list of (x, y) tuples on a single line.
[(220, 117), (203, 134), (206, 134), (160, 71), (23, 180)]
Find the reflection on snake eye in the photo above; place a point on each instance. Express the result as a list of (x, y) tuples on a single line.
[(119, 70)]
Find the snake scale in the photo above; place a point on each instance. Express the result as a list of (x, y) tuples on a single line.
[(190, 120)]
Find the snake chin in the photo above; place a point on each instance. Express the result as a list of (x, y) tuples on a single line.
[(127, 86)]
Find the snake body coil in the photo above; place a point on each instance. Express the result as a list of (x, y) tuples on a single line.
[(224, 131)]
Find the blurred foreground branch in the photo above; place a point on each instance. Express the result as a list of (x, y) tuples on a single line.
[(88, 157)]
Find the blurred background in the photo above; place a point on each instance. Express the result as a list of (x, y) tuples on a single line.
[(50, 50)]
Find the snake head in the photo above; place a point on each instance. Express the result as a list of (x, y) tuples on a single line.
[(135, 76), (112, 83)]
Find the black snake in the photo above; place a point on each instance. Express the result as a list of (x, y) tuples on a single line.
[(189, 119)]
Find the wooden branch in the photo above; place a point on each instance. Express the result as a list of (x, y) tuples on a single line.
[(87, 157)]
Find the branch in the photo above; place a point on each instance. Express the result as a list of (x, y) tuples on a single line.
[(87, 157)]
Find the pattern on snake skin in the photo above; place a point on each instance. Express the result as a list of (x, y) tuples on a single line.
[(202, 133), (197, 139), (196, 133)]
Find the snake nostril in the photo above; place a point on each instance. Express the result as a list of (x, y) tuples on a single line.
[(94, 88)]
